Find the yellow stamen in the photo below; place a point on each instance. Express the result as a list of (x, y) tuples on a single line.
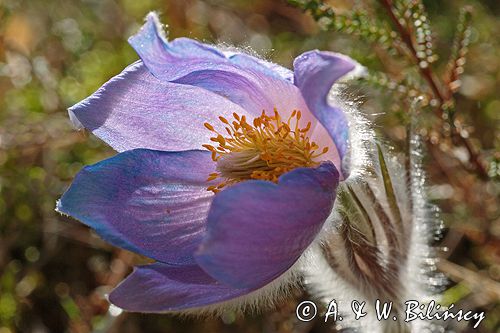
[(208, 126), (265, 150)]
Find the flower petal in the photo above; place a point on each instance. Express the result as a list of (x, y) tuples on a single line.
[(256, 229), (254, 91), (174, 59), (150, 202), (136, 110), (170, 60), (253, 63), (161, 288), (242, 79), (315, 73)]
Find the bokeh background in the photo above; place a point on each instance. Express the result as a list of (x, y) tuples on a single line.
[(54, 272)]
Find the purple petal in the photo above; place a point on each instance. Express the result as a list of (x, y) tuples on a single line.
[(253, 84), (256, 230), (160, 288), (136, 110), (315, 73), (171, 60), (249, 62), (254, 91), (150, 202)]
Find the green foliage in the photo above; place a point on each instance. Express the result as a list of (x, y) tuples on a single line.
[(356, 22)]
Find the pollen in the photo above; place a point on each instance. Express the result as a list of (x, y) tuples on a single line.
[(264, 149)]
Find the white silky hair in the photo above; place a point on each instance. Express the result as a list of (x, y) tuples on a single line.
[(406, 273), (267, 297)]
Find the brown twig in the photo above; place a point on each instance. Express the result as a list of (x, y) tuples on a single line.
[(444, 98), (406, 37)]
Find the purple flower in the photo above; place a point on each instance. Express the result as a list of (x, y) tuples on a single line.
[(227, 171)]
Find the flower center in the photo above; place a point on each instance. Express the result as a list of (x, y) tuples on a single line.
[(265, 150)]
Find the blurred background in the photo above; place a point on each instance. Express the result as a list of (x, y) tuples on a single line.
[(54, 272)]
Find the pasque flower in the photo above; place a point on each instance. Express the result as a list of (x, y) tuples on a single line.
[(227, 171)]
